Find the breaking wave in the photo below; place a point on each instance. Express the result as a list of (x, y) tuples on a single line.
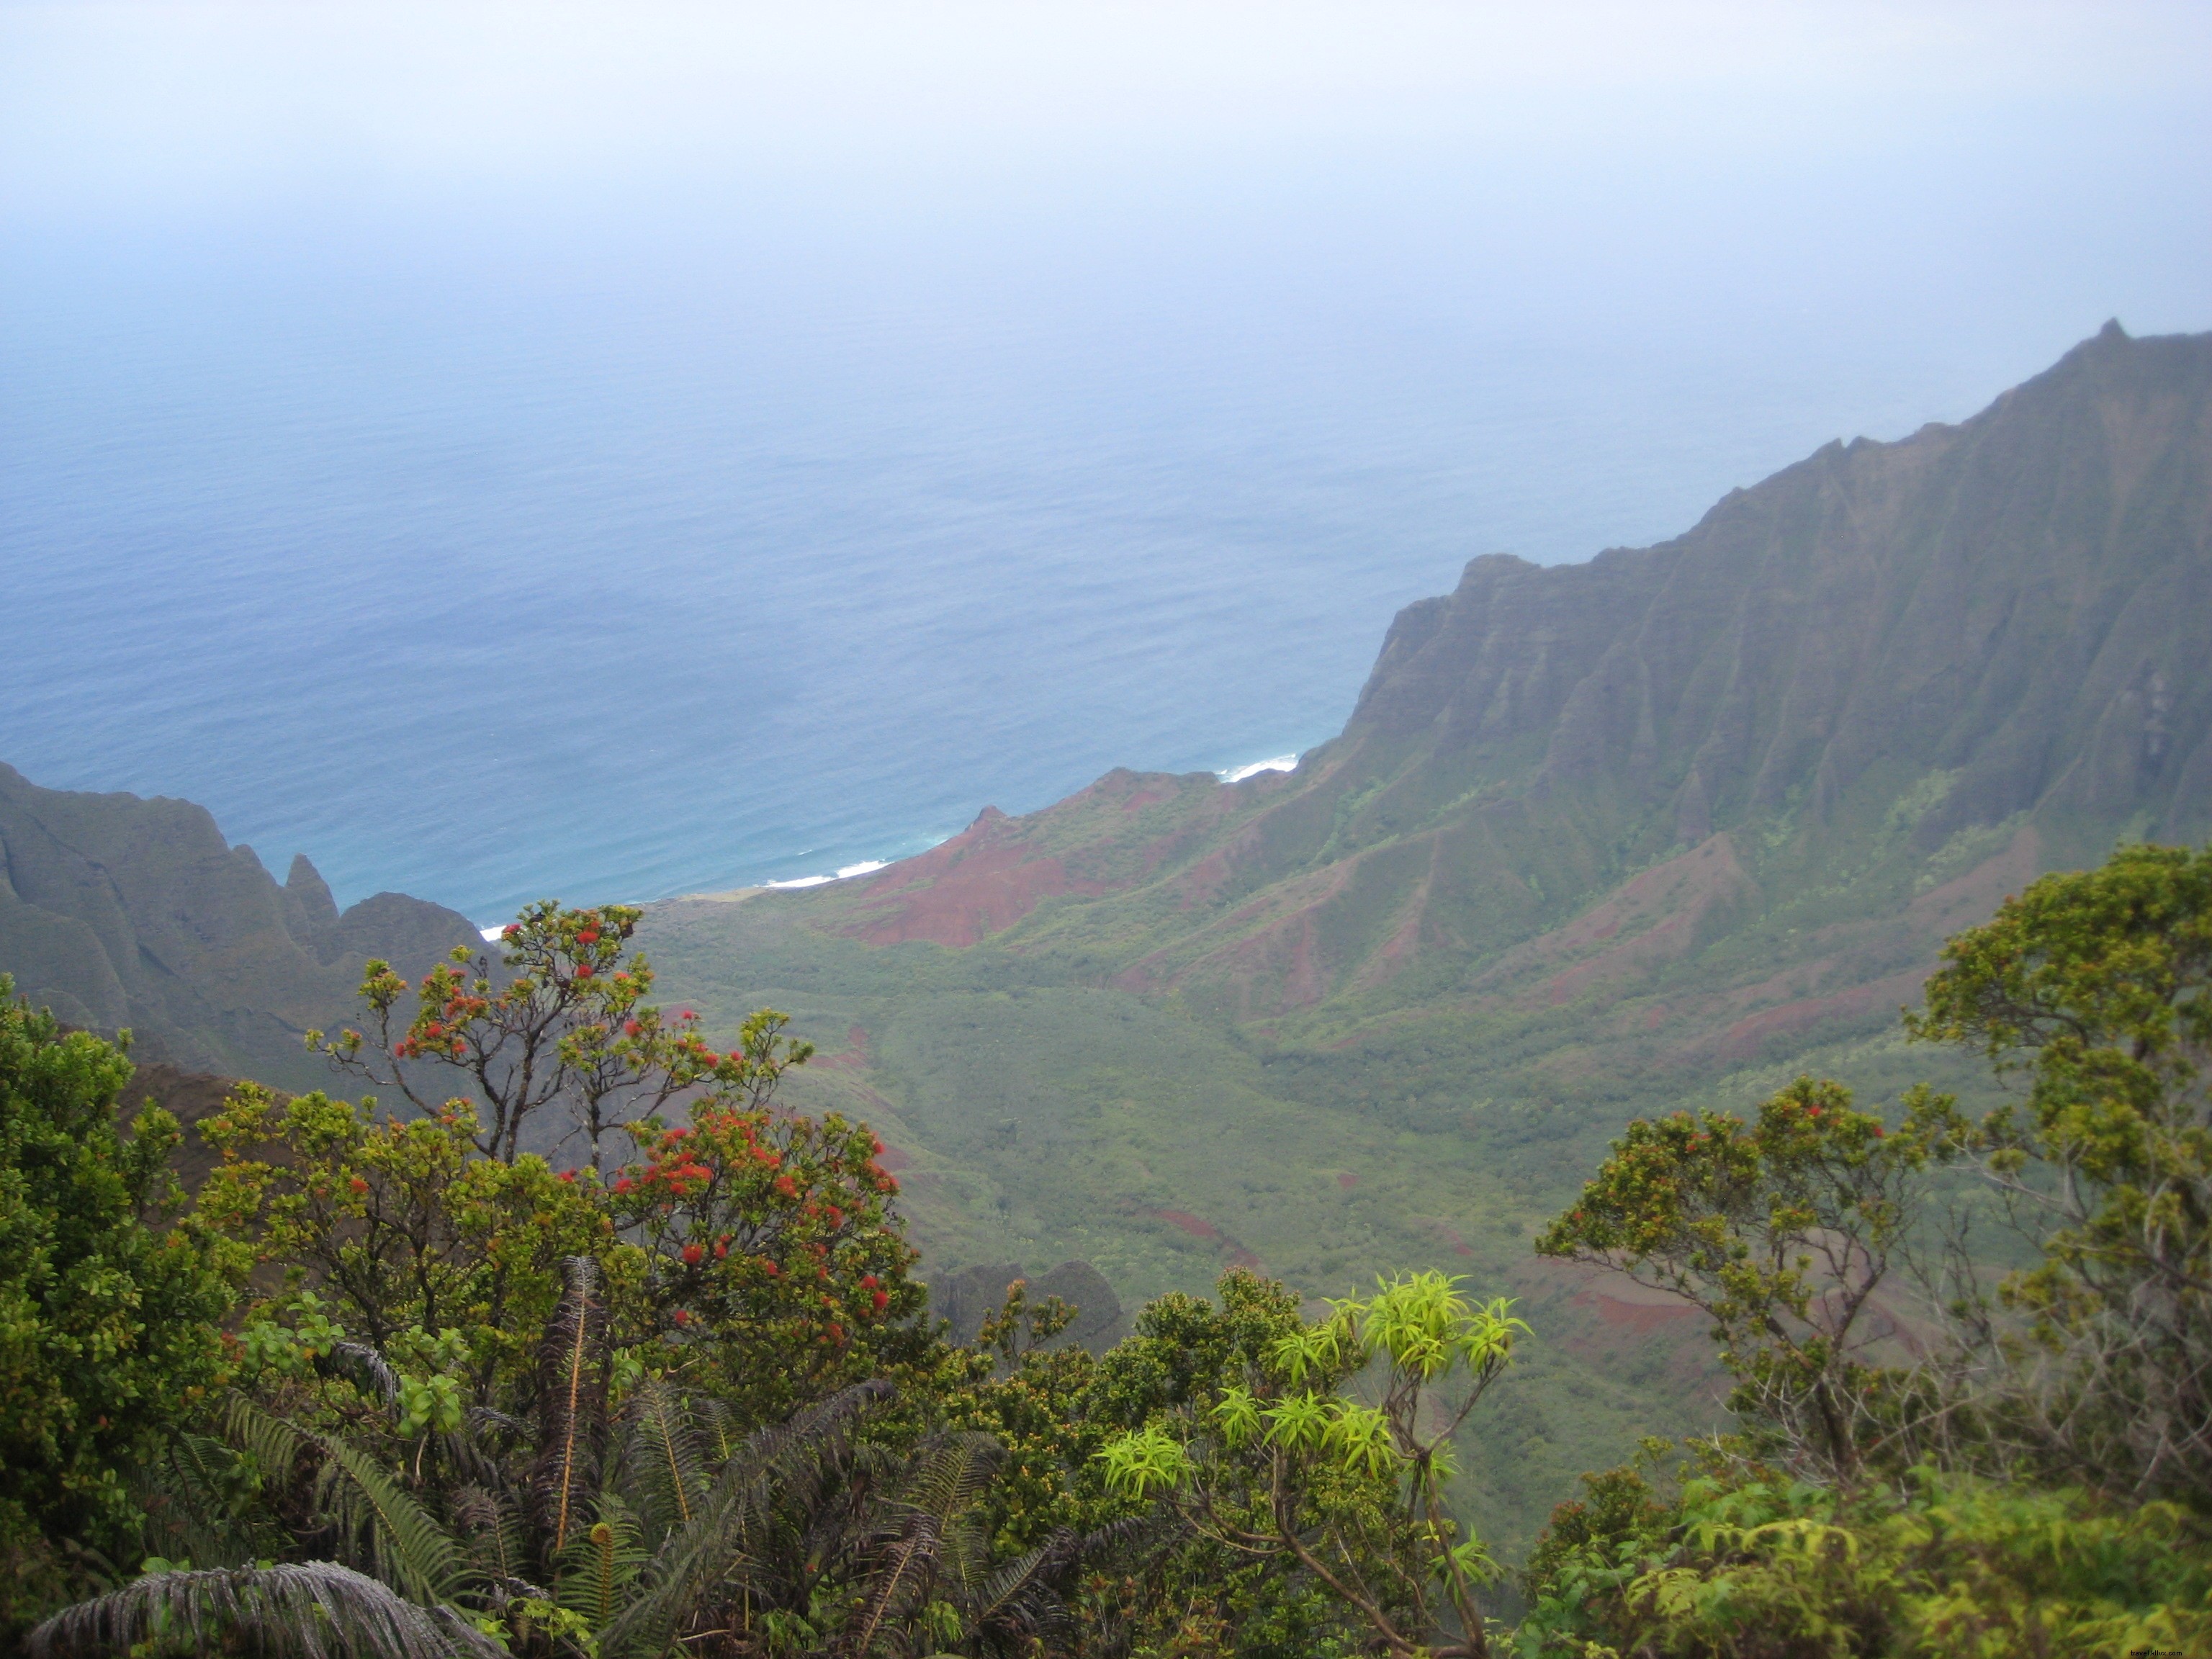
[(1279, 763)]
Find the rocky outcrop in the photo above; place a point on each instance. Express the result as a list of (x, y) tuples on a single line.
[(117, 912)]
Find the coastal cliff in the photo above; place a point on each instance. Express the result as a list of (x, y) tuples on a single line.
[(118, 912)]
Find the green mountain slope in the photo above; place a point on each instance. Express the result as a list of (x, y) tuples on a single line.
[(116, 911), (1597, 840)]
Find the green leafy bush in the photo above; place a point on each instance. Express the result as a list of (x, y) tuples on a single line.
[(108, 1305)]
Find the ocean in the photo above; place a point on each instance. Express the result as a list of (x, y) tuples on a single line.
[(676, 534)]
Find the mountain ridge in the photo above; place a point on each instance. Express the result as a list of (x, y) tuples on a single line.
[(121, 912), (1640, 691)]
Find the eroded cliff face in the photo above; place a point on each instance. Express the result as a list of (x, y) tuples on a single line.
[(1878, 667), (2022, 598), (117, 912)]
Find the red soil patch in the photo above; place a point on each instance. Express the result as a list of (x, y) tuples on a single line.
[(1742, 1040), (1283, 949), (1609, 1320), (1199, 1228), (1190, 1223), (982, 882), (1345, 1180), (1636, 1318), (1974, 897)]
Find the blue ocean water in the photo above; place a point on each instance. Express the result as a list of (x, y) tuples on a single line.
[(616, 544)]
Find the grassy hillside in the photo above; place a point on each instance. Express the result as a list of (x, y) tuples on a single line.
[(1599, 841)]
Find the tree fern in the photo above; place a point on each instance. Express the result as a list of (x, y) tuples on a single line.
[(492, 1531), (600, 1563), (719, 1550), (365, 1368), (401, 1543), (202, 1501), (315, 1610), (664, 1459), (571, 1403)]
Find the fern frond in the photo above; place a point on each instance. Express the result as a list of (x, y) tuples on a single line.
[(492, 1531), (405, 1547), (903, 1578), (952, 1472), (315, 1610), (274, 1444), (200, 1502), (714, 1551), (572, 1392), (664, 1460), (1017, 1599), (601, 1563)]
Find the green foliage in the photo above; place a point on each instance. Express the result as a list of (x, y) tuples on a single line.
[(1275, 1459), (396, 1227), (1781, 1229), (2098, 987), (1775, 1569), (2047, 1419), (107, 1304), (751, 1244)]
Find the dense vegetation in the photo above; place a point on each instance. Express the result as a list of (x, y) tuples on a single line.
[(393, 1385)]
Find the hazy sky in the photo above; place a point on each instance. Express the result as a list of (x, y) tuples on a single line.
[(106, 107)]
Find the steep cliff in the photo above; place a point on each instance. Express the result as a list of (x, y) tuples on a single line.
[(117, 912)]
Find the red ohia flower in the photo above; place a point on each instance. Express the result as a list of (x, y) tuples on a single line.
[(583, 970), (509, 930), (692, 1253), (623, 1184), (359, 1185), (868, 1281), (631, 1028), (722, 1248), (588, 936), (785, 1185), (684, 1316), (883, 1300)]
